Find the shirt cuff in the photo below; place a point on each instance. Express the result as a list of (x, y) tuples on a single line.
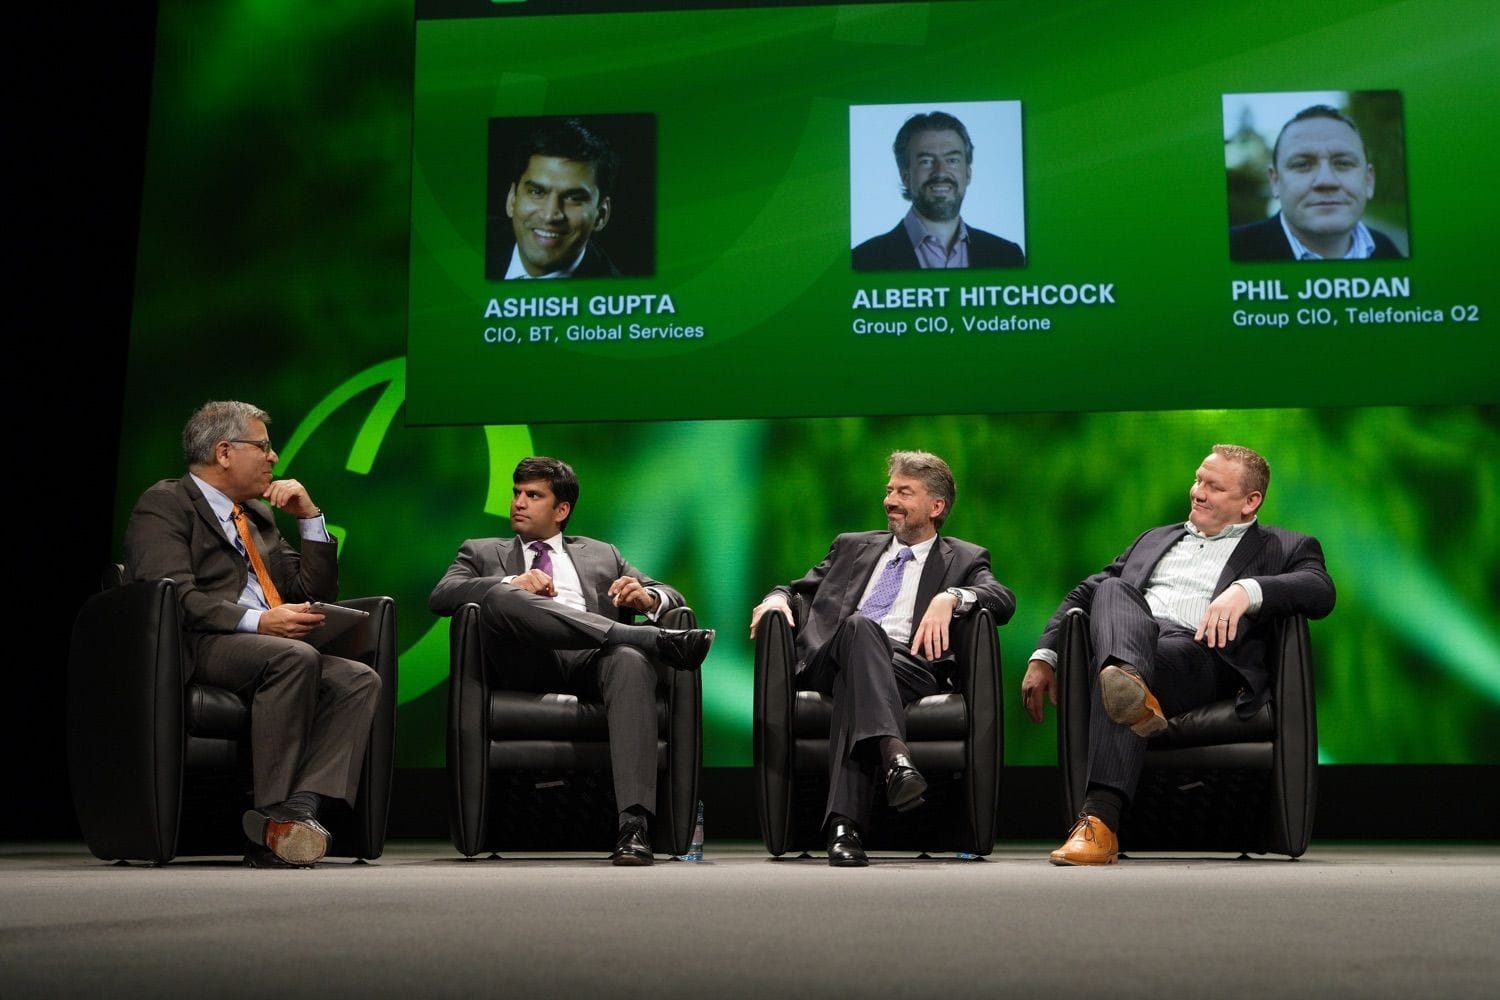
[(250, 622), (1252, 587), (1048, 655), (314, 529), (966, 599), (661, 603)]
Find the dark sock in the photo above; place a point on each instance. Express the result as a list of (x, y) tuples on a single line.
[(890, 746), (1106, 803), (308, 802), (640, 636)]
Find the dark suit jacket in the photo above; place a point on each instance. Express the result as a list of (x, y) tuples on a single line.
[(893, 251), (482, 563), (834, 586), (1266, 240), (595, 263), (1288, 566), (173, 532)]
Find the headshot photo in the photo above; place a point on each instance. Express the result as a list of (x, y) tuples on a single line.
[(1316, 176), (571, 197), (936, 186)]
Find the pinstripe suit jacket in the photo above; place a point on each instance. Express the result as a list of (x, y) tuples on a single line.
[(1288, 566)]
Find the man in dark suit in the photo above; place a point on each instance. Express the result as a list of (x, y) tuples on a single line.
[(1320, 174), (879, 609), (562, 177), (562, 608), (1180, 619), (244, 594), (935, 159)]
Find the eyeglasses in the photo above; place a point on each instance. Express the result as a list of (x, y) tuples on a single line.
[(264, 445)]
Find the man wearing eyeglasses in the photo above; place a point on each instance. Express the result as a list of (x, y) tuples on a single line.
[(244, 595)]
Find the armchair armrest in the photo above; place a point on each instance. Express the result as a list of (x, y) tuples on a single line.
[(468, 731), (775, 704), (125, 721), (1074, 651), (1295, 753), (373, 642)]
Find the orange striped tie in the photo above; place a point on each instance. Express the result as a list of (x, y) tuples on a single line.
[(242, 524)]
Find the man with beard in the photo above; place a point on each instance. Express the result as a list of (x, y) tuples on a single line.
[(875, 638), (936, 159)]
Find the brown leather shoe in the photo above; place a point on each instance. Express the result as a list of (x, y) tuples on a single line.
[(1090, 843), (1128, 701)]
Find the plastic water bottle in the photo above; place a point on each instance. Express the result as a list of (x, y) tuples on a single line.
[(695, 850)]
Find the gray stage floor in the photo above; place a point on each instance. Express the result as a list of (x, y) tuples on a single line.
[(1347, 920)]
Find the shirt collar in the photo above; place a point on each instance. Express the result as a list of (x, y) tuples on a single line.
[(916, 231), (518, 270), (1361, 243), (223, 507), (1228, 531), (919, 551)]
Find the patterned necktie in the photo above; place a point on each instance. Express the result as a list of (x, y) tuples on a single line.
[(887, 587), (242, 525), (543, 560)]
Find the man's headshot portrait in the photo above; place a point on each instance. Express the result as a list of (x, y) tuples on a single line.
[(955, 167), (571, 197), (1308, 190)]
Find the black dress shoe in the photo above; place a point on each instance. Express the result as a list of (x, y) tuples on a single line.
[(845, 848), (632, 849), (684, 648), (904, 784), (292, 835), (260, 857)]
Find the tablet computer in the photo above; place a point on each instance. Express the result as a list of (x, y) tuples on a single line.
[(337, 620)]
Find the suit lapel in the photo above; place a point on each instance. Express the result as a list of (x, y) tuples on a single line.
[(1138, 568), (582, 555), (1244, 553), (934, 571), (512, 556)]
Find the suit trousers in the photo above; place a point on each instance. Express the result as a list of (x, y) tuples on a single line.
[(544, 645), (310, 713), (871, 680), (1182, 673)]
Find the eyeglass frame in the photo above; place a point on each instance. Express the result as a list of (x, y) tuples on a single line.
[(264, 444)]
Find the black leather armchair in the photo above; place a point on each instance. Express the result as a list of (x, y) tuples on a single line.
[(531, 772), (1212, 781), (956, 742), (160, 768)]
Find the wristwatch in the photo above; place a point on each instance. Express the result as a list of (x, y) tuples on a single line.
[(957, 595)]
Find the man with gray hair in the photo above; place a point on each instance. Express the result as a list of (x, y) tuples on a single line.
[(935, 159), (876, 638), (1181, 618), (244, 594)]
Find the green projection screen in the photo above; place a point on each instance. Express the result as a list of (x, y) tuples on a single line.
[(283, 210), (1113, 144)]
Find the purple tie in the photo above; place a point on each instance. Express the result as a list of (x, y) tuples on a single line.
[(886, 588), (543, 557)]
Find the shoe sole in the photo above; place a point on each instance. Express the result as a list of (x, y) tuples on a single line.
[(1062, 861), (631, 861), (1124, 697), (849, 863), (297, 842)]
